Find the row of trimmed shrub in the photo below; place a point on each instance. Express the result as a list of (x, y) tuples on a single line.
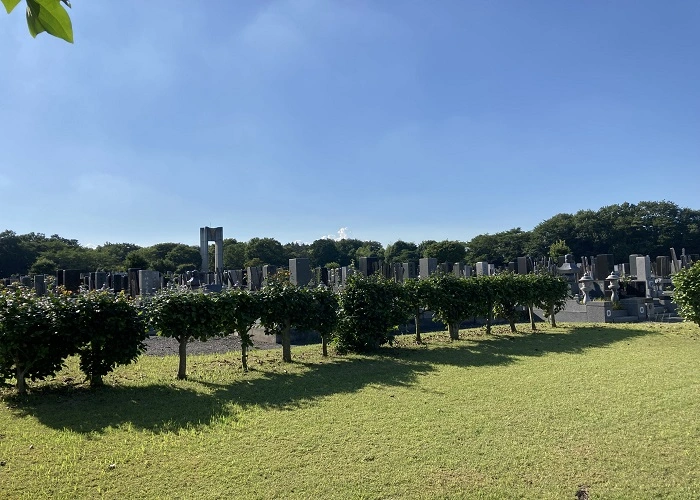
[(37, 334)]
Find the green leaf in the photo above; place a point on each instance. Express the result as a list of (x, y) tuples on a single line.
[(10, 4), (33, 23), (49, 16)]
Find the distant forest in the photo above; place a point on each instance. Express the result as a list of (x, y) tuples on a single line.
[(648, 228)]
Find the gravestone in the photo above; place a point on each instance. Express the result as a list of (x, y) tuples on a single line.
[(300, 271), (603, 266), (369, 265), (254, 275), (458, 269), (410, 270), (468, 271), (267, 271), (117, 283), (643, 266), (100, 280), (512, 267), (633, 263), (149, 282), (71, 280), (446, 267), (133, 274), (397, 272), (663, 266), (238, 277), (482, 268), (427, 266), (26, 281), (59, 277), (39, 285), (321, 275), (523, 267), (346, 272)]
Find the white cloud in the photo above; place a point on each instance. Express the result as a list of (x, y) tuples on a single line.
[(342, 234)]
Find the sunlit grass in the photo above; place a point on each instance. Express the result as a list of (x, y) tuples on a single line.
[(614, 407)]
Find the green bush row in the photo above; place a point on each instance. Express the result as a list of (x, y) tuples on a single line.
[(105, 330)]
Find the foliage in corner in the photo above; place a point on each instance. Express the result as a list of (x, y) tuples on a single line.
[(46, 16), (686, 293), (35, 335)]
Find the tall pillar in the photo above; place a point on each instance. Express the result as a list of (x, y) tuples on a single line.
[(215, 234)]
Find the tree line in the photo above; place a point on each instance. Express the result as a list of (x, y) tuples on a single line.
[(647, 228)]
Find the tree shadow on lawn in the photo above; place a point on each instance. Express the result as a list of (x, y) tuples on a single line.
[(171, 407), (507, 348)]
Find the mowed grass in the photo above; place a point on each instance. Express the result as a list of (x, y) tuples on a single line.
[(614, 407)]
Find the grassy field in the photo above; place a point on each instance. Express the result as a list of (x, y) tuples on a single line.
[(615, 407)]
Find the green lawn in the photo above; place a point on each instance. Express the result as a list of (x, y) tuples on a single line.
[(615, 407)]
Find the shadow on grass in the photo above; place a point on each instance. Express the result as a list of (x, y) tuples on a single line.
[(507, 348), (171, 407)]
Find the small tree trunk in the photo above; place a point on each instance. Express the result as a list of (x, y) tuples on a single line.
[(286, 343), (21, 385), (552, 318), (96, 381), (454, 330), (418, 338), (324, 346), (244, 356), (511, 322), (182, 369), (532, 318), (489, 321)]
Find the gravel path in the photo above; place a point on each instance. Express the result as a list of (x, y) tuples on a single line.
[(164, 346)]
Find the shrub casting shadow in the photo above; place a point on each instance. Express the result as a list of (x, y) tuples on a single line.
[(165, 408)]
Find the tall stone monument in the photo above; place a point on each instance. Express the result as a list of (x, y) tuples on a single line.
[(215, 234)]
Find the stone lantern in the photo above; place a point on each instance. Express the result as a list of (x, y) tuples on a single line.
[(586, 284), (569, 270), (614, 286)]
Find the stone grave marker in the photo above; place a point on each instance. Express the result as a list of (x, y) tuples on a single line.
[(39, 285), (482, 268), (427, 266), (368, 265), (71, 280), (300, 271), (149, 282), (254, 275), (409, 270)]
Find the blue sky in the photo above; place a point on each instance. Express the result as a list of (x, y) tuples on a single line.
[(394, 120)]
